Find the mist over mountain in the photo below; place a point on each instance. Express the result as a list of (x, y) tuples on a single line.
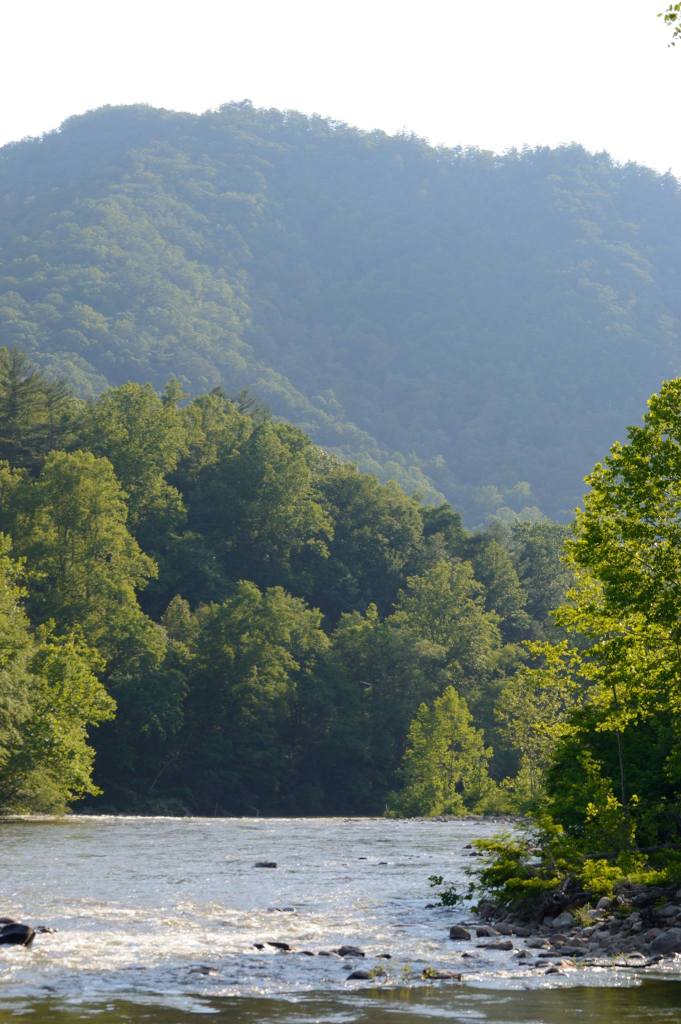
[(473, 325)]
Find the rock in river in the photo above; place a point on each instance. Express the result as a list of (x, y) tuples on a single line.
[(14, 934), (433, 974), (457, 931)]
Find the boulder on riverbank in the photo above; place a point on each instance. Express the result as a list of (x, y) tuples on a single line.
[(667, 942), (638, 922)]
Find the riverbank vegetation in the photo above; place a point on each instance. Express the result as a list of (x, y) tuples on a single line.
[(608, 737), (236, 622)]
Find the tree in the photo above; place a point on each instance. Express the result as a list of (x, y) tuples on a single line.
[(258, 506), (623, 616), (537, 550), (445, 764), (215, 429), (504, 595), (16, 649), (377, 534), (52, 763), (49, 699), (256, 656), (85, 566), (377, 673), (672, 18), (628, 536), (144, 438), (533, 709), (446, 607), (35, 412)]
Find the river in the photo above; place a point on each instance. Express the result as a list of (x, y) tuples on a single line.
[(157, 919)]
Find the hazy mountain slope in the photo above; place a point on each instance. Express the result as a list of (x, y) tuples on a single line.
[(500, 318)]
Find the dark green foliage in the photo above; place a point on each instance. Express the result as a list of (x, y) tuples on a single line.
[(274, 627), (257, 507), (504, 595), (256, 657), (537, 552), (36, 413), (450, 319), (377, 533)]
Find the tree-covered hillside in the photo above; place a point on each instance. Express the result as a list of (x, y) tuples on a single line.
[(255, 622), (460, 321)]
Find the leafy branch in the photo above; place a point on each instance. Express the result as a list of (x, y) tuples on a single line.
[(672, 17)]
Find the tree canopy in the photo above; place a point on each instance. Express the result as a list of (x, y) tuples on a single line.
[(203, 611)]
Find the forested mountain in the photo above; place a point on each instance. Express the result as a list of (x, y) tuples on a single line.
[(475, 326), (251, 623)]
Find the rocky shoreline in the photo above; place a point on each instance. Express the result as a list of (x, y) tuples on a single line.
[(637, 927), (640, 925)]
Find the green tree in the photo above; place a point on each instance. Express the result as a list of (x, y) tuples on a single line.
[(628, 536), (258, 507), (445, 764), (377, 534), (537, 550), (36, 413), (85, 565), (504, 595), (377, 674), (50, 698), (623, 616), (446, 607), (256, 656), (533, 710), (52, 763), (215, 430), (16, 650), (144, 438)]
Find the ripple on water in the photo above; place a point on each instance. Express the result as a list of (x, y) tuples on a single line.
[(141, 905)]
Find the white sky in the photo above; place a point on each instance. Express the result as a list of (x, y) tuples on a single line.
[(489, 73)]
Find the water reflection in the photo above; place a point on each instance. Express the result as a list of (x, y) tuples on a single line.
[(652, 1003)]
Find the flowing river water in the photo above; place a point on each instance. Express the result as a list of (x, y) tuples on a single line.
[(157, 919)]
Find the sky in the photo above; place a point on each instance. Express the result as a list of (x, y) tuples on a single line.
[(484, 73)]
